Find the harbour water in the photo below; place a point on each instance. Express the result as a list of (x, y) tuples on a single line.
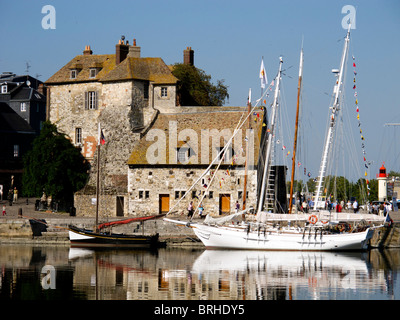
[(171, 274)]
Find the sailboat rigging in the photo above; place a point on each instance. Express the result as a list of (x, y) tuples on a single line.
[(334, 112), (317, 234)]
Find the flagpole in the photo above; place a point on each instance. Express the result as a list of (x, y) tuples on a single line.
[(98, 178), (247, 154), (262, 88)]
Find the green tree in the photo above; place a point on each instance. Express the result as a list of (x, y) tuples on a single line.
[(196, 89), (54, 166), (373, 192), (338, 187), (311, 185), (394, 173)]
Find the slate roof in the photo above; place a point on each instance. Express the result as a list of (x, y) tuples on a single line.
[(12, 122), (150, 69), (218, 118), (26, 93), (83, 63)]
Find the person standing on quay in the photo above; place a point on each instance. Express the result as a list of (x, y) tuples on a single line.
[(190, 209), (4, 210), (355, 206), (15, 199)]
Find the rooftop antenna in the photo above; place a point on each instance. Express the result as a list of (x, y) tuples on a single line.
[(27, 67)]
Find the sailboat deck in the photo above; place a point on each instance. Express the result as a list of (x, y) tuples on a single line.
[(322, 215)]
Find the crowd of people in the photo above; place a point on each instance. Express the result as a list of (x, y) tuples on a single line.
[(377, 207), (304, 205)]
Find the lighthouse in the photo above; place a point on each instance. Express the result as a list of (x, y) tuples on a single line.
[(382, 183)]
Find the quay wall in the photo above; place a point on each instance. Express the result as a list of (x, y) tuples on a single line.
[(18, 230), (15, 227)]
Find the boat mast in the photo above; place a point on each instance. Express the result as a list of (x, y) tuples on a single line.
[(296, 128), (247, 154), (98, 180), (270, 134), (332, 121)]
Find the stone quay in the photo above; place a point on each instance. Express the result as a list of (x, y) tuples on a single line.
[(15, 228)]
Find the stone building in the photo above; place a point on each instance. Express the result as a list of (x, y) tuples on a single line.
[(91, 88), (180, 147), (121, 91), (155, 149)]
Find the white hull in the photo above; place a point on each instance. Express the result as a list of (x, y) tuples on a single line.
[(237, 238), (74, 236)]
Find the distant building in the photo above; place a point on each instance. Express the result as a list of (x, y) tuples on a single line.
[(22, 112), (26, 97), (382, 178)]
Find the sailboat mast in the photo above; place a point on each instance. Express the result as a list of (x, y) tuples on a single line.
[(98, 179), (332, 120), (296, 128), (247, 154), (270, 134)]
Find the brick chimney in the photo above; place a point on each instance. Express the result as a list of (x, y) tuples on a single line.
[(121, 51), (188, 56), (87, 51), (134, 51)]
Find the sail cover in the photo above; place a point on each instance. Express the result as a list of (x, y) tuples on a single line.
[(112, 223), (222, 220)]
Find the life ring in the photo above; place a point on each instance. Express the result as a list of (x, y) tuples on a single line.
[(312, 219)]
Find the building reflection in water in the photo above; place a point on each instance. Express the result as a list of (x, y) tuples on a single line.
[(185, 274)]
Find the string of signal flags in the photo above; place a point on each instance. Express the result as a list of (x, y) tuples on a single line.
[(366, 162)]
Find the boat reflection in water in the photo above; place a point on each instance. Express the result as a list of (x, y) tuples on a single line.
[(290, 275), (249, 275), (196, 274)]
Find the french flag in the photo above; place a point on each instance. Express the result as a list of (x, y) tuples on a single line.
[(101, 140)]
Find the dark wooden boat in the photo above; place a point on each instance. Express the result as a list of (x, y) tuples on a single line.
[(80, 237)]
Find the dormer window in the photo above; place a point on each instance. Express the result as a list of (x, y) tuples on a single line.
[(4, 88), (92, 73), (94, 69), (75, 69), (74, 73), (183, 155)]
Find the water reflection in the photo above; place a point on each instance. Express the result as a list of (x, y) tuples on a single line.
[(185, 274)]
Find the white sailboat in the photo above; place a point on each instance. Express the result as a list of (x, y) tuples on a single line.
[(316, 235)]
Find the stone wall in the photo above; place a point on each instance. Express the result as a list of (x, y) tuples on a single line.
[(165, 104), (146, 185), (122, 113), (85, 205), (67, 111)]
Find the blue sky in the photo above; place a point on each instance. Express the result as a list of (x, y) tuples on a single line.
[(229, 38)]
